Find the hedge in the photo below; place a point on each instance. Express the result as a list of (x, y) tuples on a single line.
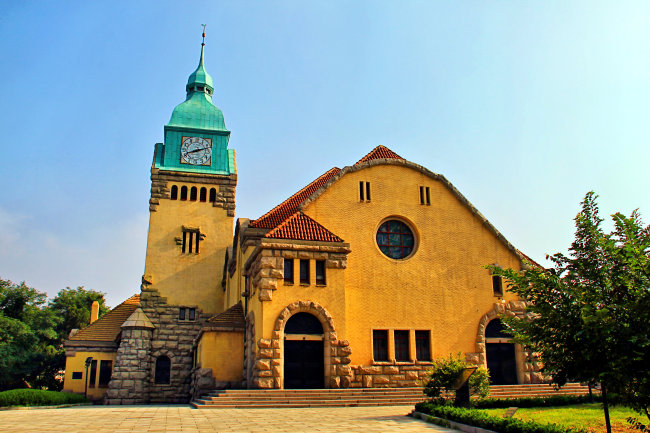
[(479, 418), (554, 400), (37, 397)]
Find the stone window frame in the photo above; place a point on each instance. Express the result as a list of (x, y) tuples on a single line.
[(154, 356), (410, 225)]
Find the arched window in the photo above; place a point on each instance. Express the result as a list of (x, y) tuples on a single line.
[(193, 194), (183, 193), (495, 329), (163, 369), (303, 323), (203, 194), (174, 193), (213, 195)]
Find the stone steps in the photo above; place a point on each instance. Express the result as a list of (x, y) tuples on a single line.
[(275, 398)]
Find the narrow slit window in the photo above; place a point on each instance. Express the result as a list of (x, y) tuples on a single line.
[(422, 345), (288, 271), (181, 313), (361, 191), (203, 194), (304, 271), (367, 191), (193, 194), (191, 314), (184, 242), (183, 193), (93, 374), (191, 239), (196, 246), (213, 195), (320, 272), (428, 196), (421, 195), (174, 193), (497, 285), (380, 345)]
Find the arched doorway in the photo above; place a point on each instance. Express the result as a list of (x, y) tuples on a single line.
[(500, 354), (304, 365)]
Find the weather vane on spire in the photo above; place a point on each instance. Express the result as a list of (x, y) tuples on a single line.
[(203, 42)]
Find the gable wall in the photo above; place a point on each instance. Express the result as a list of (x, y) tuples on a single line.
[(442, 287)]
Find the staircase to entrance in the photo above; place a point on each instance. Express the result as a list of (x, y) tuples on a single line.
[(276, 398)]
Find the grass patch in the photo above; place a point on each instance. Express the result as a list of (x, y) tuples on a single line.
[(588, 416), (37, 397)]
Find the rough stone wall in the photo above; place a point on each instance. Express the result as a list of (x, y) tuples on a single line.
[(161, 185), (531, 364), (249, 350), (130, 382), (389, 375), (201, 382)]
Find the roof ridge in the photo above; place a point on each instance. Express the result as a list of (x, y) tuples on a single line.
[(379, 152), (261, 221)]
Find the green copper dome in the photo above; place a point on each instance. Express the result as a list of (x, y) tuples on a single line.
[(198, 110)]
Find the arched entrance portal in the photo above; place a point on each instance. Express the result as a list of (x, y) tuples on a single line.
[(304, 365), (500, 354)]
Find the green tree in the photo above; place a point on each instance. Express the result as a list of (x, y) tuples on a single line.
[(589, 316), (72, 306)]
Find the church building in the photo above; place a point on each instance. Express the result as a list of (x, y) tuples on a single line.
[(360, 279)]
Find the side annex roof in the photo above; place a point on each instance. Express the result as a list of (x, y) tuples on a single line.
[(108, 327)]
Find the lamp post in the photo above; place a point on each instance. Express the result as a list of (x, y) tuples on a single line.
[(89, 360)]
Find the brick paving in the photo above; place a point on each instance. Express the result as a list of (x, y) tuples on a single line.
[(183, 419)]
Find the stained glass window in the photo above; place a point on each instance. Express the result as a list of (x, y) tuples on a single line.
[(395, 239)]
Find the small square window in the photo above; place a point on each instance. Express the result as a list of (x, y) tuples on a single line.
[(77, 375), (181, 313), (320, 272), (288, 271), (425, 195)]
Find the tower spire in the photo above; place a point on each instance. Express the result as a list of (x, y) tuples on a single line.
[(203, 42)]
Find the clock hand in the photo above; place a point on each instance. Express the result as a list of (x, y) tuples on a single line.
[(198, 150)]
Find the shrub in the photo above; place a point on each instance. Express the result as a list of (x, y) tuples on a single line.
[(37, 397), (446, 371), (478, 418), (553, 400)]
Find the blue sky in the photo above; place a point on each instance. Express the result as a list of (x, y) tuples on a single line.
[(524, 106)]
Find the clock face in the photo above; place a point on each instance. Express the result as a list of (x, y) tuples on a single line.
[(196, 151)]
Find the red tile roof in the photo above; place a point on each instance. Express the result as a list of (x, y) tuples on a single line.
[(301, 227), (531, 261), (108, 327), (233, 316), (284, 210), (379, 152)]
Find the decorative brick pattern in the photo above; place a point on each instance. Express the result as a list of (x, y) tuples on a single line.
[(268, 368)]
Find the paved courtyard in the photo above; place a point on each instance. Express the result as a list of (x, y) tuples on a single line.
[(183, 419)]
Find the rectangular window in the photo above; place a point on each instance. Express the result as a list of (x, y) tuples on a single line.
[(93, 374), (288, 271), (380, 345), (364, 191), (105, 370), (77, 375), (425, 195), (497, 285), (402, 346), (304, 271), (181, 313), (191, 313), (191, 238), (422, 349), (320, 272)]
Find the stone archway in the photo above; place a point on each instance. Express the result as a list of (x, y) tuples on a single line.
[(527, 366), (269, 366)]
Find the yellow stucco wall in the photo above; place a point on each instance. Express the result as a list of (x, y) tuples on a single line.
[(77, 363), (223, 352), (441, 287), (188, 279)]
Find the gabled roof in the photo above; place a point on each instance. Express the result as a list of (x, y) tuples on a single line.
[(233, 316), (284, 210), (108, 327), (301, 227), (379, 152)]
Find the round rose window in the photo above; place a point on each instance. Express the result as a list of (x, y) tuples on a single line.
[(395, 239)]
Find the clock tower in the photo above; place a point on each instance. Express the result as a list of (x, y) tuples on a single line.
[(192, 205)]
